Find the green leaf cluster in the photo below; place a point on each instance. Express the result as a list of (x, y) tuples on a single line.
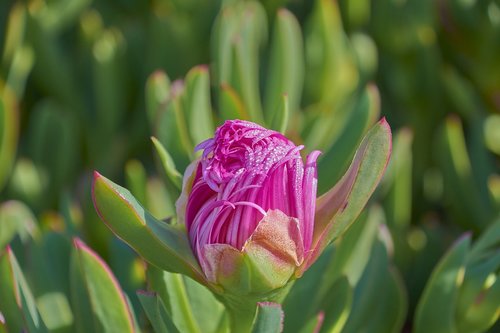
[(120, 87)]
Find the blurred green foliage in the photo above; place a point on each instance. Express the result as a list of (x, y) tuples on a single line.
[(84, 85)]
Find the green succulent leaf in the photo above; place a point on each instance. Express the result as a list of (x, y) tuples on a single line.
[(162, 244), (282, 115), (230, 104), (107, 300), (190, 305), (168, 164), (286, 70), (467, 202), (8, 133), (18, 304), (370, 312), (337, 209), (269, 318), (436, 308), (157, 94), (197, 104), (336, 306), (156, 312), (336, 157), (17, 219)]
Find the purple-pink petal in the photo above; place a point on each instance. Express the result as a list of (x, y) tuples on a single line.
[(245, 171)]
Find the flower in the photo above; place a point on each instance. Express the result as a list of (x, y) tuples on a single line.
[(249, 175), (248, 221), (250, 209)]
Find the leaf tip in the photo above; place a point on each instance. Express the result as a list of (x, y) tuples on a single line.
[(79, 244)]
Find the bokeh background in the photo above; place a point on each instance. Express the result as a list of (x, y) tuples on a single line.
[(84, 85)]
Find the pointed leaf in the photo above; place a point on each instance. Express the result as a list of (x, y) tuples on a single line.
[(230, 104), (168, 164), (286, 70), (337, 156), (336, 306), (18, 302), (8, 133), (339, 207), (107, 299), (269, 318), (156, 312), (197, 104), (436, 307), (372, 313), (157, 93), (17, 219), (281, 115), (164, 245), (85, 320), (187, 302)]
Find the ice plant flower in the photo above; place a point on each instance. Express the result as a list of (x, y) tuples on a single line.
[(248, 205), (248, 220)]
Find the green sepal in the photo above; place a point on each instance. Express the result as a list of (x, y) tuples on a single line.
[(164, 245), (266, 262)]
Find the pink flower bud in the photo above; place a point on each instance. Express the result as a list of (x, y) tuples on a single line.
[(247, 176)]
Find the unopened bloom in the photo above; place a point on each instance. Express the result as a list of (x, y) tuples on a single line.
[(248, 220), (250, 194)]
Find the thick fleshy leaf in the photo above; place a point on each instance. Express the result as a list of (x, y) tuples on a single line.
[(436, 308), (267, 261), (269, 318), (85, 320), (17, 219), (479, 297), (398, 181), (286, 69), (171, 127), (314, 324), (370, 312), (469, 203), (156, 312), (50, 264), (8, 133), (339, 207), (196, 104), (336, 306), (336, 158), (240, 30), (157, 92), (164, 245), (191, 306), (230, 104), (168, 164), (18, 304), (281, 115), (307, 287), (107, 299)]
